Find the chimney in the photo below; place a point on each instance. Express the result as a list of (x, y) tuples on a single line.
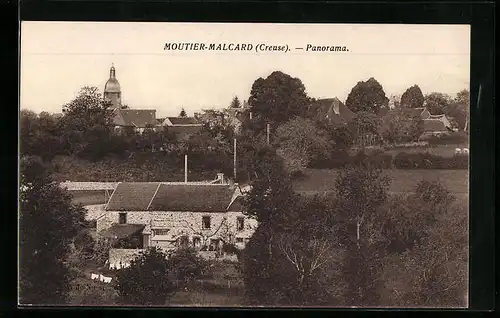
[(220, 176), (336, 107)]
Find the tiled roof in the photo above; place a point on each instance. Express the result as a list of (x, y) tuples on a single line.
[(120, 231), (237, 205), (140, 118), (325, 109), (132, 196), (193, 198), (183, 120), (183, 132), (413, 112), (434, 125)]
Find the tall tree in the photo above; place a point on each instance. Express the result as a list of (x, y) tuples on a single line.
[(437, 103), (412, 97), (397, 127), (367, 96), (459, 109), (360, 193), (278, 98), (146, 281), (39, 134), (300, 141), (183, 113), (235, 103), (86, 124), (48, 224), (364, 127)]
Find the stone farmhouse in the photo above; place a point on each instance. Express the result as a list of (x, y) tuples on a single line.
[(170, 214), (433, 124)]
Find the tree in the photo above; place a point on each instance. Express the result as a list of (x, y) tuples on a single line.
[(86, 125), (301, 141), (397, 127), (218, 127), (47, 225), (235, 103), (459, 109), (364, 128), (301, 266), (437, 103), (436, 230), (395, 101), (183, 113), (277, 98), (360, 193), (146, 281), (39, 134), (368, 96), (187, 265), (412, 97)]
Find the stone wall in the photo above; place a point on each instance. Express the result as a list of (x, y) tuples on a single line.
[(223, 224)]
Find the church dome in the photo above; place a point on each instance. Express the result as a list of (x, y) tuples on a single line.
[(112, 85)]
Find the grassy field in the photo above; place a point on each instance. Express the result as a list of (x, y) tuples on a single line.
[(401, 180)]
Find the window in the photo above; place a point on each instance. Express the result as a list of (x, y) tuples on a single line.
[(240, 225), (161, 231), (122, 218), (206, 222), (239, 240), (196, 242)]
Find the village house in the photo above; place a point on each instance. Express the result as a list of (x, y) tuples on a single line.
[(182, 127), (332, 111), (169, 214), (433, 124)]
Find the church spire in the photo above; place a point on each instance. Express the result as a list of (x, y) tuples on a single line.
[(112, 71)]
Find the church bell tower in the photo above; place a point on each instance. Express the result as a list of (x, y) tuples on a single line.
[(112, 91)]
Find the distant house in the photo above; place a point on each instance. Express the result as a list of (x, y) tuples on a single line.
[(136, 119), (331, 111), (434, 127), (444, 119), (171, 214), (182, 127), (421, 112)]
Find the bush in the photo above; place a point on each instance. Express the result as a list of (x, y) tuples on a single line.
[(426, 160), (456, 137)]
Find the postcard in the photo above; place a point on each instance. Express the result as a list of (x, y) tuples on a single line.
[(244, 165)]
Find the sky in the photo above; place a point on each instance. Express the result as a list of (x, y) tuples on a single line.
[(59, 58)]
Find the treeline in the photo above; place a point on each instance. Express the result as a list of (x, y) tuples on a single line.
[(382, 160), (363, 248)]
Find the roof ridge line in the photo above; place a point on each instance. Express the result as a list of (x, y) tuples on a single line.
[(153, 197), (107, 203)]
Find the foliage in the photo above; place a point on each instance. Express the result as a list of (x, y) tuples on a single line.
[(277, 98), (363, 127), (368, 96), (86, 129), (95, 293), (437, 103), (235, 103), (47, 225), (218, 130), (360, 194), (301, 141), (459, 109), (405, 160), (183, 113), (300, 266), (412, 97), (39, 134), (187, 265), (456, 137), (271, 190), (398, 128), (146, 281)]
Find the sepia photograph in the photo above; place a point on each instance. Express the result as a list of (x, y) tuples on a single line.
[(269, 165)]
